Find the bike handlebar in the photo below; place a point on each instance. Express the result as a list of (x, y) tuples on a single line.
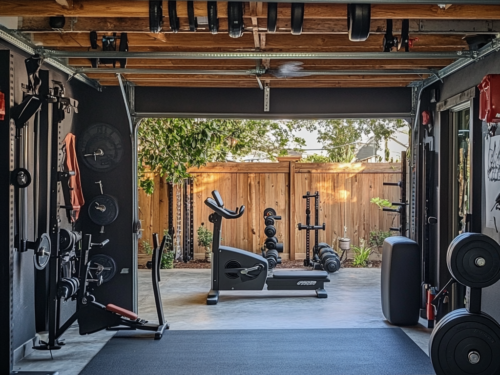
[(224, 212)]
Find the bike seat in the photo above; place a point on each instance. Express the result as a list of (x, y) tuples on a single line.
[(304, 275)]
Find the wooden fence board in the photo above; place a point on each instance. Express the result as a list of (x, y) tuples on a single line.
[(262, 185)]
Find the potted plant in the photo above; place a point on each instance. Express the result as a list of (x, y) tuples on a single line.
[(205, 238)]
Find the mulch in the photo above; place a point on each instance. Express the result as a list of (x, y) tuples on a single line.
[(296, 264)]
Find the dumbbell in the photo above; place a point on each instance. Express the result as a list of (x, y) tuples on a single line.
[(270, 231), (272, 244), (329, 259), (273, 258), (271, 220)]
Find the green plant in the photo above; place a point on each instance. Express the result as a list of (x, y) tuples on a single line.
[(205, 237), (167, 258), (361, 255), (377, 237), (146, 246), (382, 203)]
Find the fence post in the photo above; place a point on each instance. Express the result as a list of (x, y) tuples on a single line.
[(291, 160)]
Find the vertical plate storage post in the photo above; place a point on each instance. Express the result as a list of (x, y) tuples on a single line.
[(6, 213)]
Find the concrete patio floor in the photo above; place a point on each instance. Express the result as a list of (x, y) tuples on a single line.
[(353, 302)]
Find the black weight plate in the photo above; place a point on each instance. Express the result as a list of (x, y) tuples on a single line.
[(107, 262), (42, 252), (193, 21), (65, 239), (213, 21), (103, 140), (359, 18), (270, 231), (269, 212), (172, 16), (155, 16), (235, 19), (57, 22), (297, 18), (461, 258), (272, 17), (21, 178), (103, 209), (457, 336)]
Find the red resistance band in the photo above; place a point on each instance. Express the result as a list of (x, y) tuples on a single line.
[(75, 184)]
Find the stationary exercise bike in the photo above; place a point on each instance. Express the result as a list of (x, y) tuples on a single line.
[(236, 269)]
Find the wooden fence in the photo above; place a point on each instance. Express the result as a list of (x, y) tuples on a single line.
[(345, 191)]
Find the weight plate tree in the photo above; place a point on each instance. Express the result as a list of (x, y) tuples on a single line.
[(235, 19), (272, 17), (100, 147), (42, 253), (474, 260), (358, 21), (213, 21), (103, 209), (297, 18), (463, 343), (108, 270)]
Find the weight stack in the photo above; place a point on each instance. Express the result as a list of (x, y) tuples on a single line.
[(401, 281)]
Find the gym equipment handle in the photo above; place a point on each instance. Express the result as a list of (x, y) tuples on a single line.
[(100, 244), (311, 227), (399, 204), (392, 184)]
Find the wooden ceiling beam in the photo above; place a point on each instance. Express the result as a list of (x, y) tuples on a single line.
[(330, 42), (254, 84), (250, 64), (128, 8)]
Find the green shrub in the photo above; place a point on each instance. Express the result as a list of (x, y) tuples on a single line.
[(377, 237), (167, 258), (361, 255), (205, 237)]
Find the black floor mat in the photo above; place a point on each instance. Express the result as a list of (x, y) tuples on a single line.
[(383, 351)]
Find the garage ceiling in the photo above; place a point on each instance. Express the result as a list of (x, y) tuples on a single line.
[(443, 30)]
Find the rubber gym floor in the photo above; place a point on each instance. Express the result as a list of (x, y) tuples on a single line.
[(353, 302)]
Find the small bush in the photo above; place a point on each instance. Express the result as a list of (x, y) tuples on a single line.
[(377, 238), (205, 237), (361, 255)]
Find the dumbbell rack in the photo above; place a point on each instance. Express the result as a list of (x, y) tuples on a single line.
[(308, 227), (401, 206), (271, 243)]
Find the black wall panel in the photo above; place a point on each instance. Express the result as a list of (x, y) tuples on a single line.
[(284, 103)]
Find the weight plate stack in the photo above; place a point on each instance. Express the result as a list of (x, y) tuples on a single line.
[(474, 260), (297, 18), (272, 17), (235, 19), (172, 16), (155, 16), (358, 21), (193, 21), (463, 344), (103, 209)]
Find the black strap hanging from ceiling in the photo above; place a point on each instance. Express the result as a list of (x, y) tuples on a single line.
[(172, 16), (155, 16), (213, 21), (193, 21)]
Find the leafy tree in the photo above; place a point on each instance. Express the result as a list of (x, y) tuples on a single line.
[(169, 147), (315, 158)]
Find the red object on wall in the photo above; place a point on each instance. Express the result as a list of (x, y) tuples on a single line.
[(489, 107), (426, 118), (2, 106), (430, 307)]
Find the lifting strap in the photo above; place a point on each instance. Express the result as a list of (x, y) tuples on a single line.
[(75, 184)]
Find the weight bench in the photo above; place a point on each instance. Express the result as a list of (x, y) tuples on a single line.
[(299, 280)]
